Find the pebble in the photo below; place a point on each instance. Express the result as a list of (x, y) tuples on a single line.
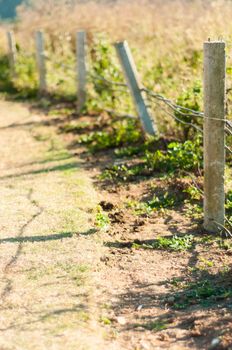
[(215, 342), (121, 320)]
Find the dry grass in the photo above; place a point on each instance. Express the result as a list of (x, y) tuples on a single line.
[(168, 22), (164, 32)]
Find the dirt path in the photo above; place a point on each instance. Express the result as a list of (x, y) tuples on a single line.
[(48, 256), (66, 285)]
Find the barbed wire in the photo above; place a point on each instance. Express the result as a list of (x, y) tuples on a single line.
[(177, 108), (228, 131), (180, 120), (106, 81), (152, 96), (229, 124), (121, 115), (228, 149), (220, 226), (99, 86)]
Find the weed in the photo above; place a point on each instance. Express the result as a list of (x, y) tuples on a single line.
[(190, 98), (204, 264), (123, 132), (174, 243), (228, 206), (204, 292), (160, 201), (123, 172), (104, 63), (194, 211), (225, 244), (155, 326), (193, 192), (128, 151), (102, 219), (179, 156), (105, 320)]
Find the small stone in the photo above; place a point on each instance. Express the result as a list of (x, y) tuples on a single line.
[(214, 343), (144, 345), (121, 320), (139, 307), (104, 258)]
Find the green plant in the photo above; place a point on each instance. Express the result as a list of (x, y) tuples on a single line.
[(131, 150), (157, 325), (191, 99), (194, 211), (160, 201), (102, 219), (193, 192), (105, 320), (228, 204), (122, 172), (26, 80), (174, 243), (105, 68), (5, 75), (204, 292), (179, 156), (121, 132)]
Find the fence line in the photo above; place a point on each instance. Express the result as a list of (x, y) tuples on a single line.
[(214, 119)]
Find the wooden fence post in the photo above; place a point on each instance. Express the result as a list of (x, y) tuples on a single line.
[(131, 76), (12, 52), (41, 61), (214, 137), (81, 70)]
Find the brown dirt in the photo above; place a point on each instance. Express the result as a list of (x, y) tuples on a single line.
[(126, 299)]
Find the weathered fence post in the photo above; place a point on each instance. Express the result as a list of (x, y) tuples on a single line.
[(214, 139), (81, 70), (131, 75), (12, 52), (41, 61)]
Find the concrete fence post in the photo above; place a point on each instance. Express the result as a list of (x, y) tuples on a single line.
[(41, 61), (131, 76), (12, 52), (214, 137), (81, 44)]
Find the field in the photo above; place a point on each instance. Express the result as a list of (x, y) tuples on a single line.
[(116, 238)]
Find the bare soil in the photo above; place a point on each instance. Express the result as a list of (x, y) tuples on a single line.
[(67, 284)]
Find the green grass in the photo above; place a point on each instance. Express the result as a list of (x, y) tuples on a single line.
[(173, 243)]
